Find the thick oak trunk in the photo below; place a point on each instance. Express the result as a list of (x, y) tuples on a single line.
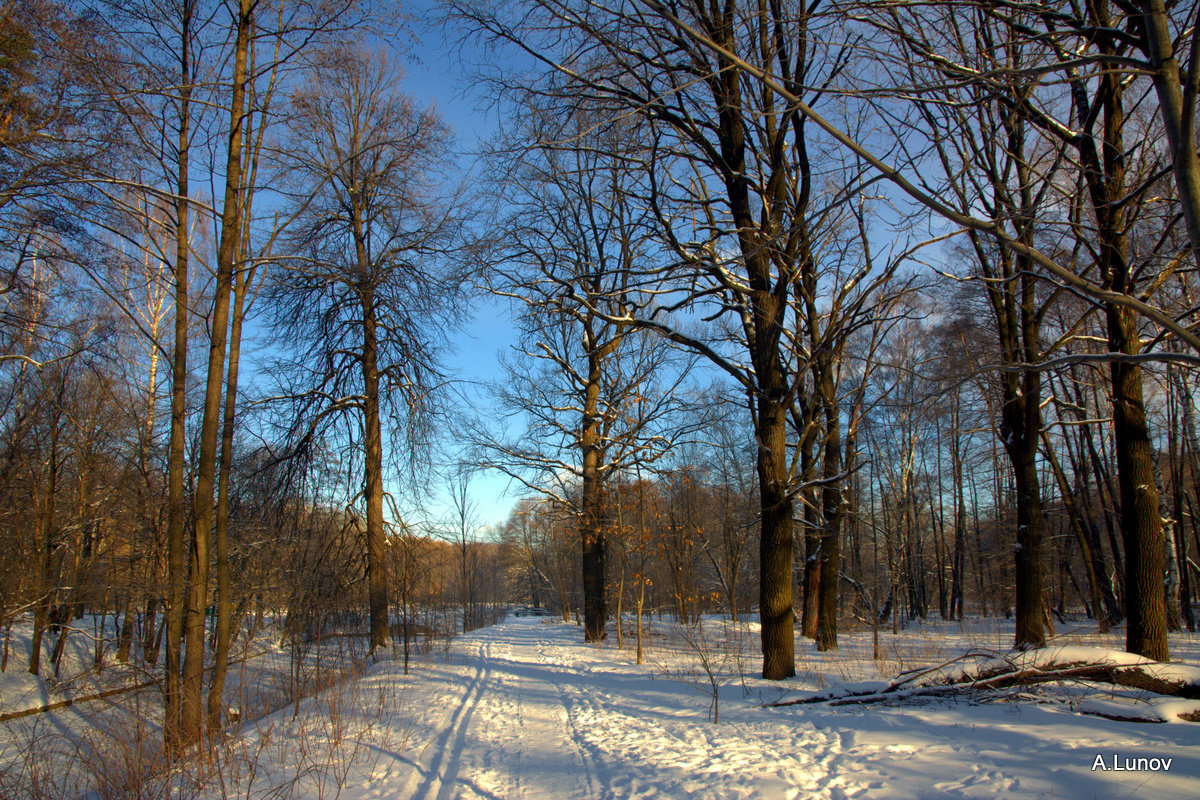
[(591, 531), (1028, 557), (775, 545), (1141, 521)]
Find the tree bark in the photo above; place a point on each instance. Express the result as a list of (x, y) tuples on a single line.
[(810, 586), (224, 604), (377, 588), (45, 550), (176, 509), (958, 575), (832, 503), (1141, 520), (1105, 172), (1185, 465), (191, 712), (591, 532), (775, 545), (1177, 108), (1028, 556)]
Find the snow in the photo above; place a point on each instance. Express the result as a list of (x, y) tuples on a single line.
[(1051, 656), (524, 710), (19, 690), (1141, 709)]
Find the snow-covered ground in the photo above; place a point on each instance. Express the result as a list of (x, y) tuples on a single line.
[(526, 710)]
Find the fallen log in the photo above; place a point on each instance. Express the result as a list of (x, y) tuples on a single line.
[(992, 672)]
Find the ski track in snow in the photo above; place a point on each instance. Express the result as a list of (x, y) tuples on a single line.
[(442, 771), (511, 734), (543, 716)]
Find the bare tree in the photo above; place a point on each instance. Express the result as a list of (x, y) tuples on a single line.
[(1091, 123), (598, 391), (729, 452), (361, 294), (462, 535), (733, 175), (993, 158)]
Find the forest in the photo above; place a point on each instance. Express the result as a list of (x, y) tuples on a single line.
[(831, 315)]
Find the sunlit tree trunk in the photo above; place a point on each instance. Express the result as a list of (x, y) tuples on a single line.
[(1105, 172), (176, 509), (191, 689), (224, 604), (377, 589), (1141, 520)]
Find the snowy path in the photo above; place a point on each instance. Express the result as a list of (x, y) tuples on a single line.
[(526, 711), (510, 735), (543, 717)]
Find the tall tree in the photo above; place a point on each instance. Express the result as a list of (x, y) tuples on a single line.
[(191, 713), (993, 159), (740, 204), (1100, 52), (363, 286), (596, 391)]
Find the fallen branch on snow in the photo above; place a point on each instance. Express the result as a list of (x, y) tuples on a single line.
[(992, 672)]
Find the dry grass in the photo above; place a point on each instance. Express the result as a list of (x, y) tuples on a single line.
[(305, 723)]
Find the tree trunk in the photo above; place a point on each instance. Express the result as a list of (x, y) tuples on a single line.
[(1020, 428), (1141, 520), (1184, 466), (222, 639), (775, 545), (1171, 583), (810, 586), (152, 632), (45, 551), (641, 605), (176, 510), (832, 502), (958, 574), (191, 688), (377, 589), (1176, 108), (125, 638), (768, 299), (591, 533), (620, 602)]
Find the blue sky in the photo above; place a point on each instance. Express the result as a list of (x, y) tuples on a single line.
[(437, 73)]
